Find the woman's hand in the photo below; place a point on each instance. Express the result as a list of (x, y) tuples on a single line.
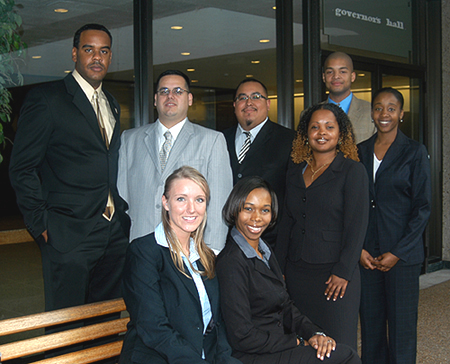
[(323, 344), (385, 261), (336, 287), (366, 260)]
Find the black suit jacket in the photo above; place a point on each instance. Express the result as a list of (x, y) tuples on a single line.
[(326, 222), (60, 167), (260, 317), (268, 158), (166, 316), (400, 199)]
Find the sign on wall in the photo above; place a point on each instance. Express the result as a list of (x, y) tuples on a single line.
[(382, 26)]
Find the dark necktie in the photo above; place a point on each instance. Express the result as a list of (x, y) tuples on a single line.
[(245, 147)]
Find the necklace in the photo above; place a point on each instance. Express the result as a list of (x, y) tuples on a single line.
[(317, 170)]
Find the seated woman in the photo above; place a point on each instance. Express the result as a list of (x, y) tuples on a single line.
[(169, 285), (263, 325)]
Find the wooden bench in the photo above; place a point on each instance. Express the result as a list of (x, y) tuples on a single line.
[(66, 338)]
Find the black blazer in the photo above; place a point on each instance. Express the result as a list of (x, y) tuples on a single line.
[(166, 316), (60, 167), (268, 158), (400, 199), (326, 222), (260, 317)]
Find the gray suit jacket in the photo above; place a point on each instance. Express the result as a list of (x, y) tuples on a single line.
[(141, 182), (361, 118)]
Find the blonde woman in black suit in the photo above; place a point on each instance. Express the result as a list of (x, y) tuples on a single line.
[(263, 325), (324, 222)]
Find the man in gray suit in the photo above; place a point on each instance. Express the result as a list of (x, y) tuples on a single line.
[(338, 76), (149, 154)]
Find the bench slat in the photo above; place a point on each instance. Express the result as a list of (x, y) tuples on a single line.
[(61, 339), (65, 315), (87, 356)]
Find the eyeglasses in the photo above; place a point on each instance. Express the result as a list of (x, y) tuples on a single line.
[(177, 91), (254, 96)]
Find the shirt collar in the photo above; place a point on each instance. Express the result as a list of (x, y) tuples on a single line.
[(344, 104), (161, 239), (247, 249), (85, 86), (174, 130), (254, 132)]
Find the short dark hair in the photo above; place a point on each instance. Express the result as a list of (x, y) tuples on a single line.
[(76, 38), (236, 200), (397, 94), (250, 80), (173, 73)]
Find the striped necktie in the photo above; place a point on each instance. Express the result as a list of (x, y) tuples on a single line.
[(165, 149), (245, 147)]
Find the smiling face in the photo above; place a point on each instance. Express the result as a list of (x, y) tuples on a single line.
[(186, 205), (323, 132), (255, 216), (386, 113), (172, 109), (338, 76), (251, 113), (93, 56)]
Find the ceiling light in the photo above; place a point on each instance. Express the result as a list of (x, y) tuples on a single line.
[(190, 69), (185, 54), (36, 57), (298, 80), (274, 8), (361, 74), (67, 71), (248, 76), (60, 10), (176, 27), (255, 62), (194, 81), (264, 40)]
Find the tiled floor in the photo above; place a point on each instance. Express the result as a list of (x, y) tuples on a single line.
[(21, 293)]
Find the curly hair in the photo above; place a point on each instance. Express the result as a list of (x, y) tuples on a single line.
[(301, 150)]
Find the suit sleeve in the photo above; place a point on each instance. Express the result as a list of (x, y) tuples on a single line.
[(122, 176), (243, 335), (356, 217), (421, 205), (220, 181), (143, 297), (28, 154)]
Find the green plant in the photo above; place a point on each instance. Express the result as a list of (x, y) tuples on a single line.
[(11, 52)]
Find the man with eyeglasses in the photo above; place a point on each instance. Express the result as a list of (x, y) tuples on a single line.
[(258, 146), (149, 154)]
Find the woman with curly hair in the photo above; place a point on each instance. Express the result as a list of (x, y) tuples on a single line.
[(324, 222)]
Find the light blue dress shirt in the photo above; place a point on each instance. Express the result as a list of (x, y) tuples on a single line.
[(344, 104)]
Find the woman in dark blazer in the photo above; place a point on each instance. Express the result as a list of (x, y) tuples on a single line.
[(169, 285), (400, 197), (324, 222), (263, 325)]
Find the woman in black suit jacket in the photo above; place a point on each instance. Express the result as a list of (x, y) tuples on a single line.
[(169, 285), (324, 222), (263, 325), (400, 195)]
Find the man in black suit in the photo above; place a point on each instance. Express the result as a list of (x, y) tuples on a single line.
[(258, 146), (64, 171)]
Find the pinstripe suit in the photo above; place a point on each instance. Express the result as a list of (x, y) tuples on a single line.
[(141, 181), (400, 207)]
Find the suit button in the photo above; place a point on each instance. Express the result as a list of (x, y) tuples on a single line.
[(158, 207), (279, 324), (373, 203), (239, 175), (303, 231), (304, 199), (304, 216)]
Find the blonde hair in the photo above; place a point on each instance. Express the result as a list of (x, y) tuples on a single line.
[(207, 256)]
